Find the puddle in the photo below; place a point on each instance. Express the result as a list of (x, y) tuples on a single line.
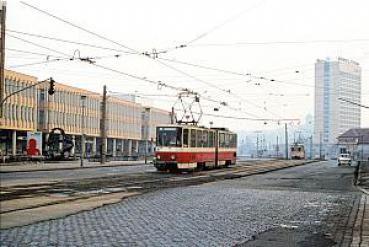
[(99, 191), (288, 226), (117, 189), (102, 191), (135, 187)]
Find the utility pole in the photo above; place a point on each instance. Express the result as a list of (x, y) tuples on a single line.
[(257, 144), (2, 54), (311, 147), (277, 148), (83, 137), (320, 145), (286, 140), (362, 148), (103, 127)]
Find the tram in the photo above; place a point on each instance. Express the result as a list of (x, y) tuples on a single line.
[(190, 147), (297, 151)]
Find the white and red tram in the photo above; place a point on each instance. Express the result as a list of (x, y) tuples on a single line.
[(190, 147)]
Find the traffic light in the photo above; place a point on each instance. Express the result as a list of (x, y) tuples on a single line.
[(51, 86)]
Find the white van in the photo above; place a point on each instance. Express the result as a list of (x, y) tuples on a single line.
[(344, 159)]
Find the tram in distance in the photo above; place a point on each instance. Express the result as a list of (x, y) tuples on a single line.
[(297, 151), (191, 147)]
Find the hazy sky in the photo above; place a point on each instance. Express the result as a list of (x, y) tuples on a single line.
[(255, 37)]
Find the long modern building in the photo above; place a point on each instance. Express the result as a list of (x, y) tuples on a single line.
[(335, 80), (130, 126)]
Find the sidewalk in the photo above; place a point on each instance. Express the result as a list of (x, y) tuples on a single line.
[(361, 227), (62, 165)]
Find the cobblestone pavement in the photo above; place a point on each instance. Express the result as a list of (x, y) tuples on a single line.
[(225, 213)]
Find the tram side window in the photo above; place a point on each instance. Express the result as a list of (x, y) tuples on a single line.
[(211, 139), (226, 140), (185, 138), (193, 138), (233, 140), (199, 138), (205, 138), (221, 140)]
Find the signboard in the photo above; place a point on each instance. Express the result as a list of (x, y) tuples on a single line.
[(34, 143)]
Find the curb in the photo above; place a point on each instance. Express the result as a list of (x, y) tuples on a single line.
[(73, 168)]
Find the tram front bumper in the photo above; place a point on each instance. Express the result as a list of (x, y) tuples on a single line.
[(166, 165)]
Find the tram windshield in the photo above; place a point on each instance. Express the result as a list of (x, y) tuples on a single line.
[(169, 136)]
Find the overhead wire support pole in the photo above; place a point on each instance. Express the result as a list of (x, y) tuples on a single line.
[(277, 148), (286, 140), (311, 147), (2, 54), (83, 134), (320, 145), (103, 135)]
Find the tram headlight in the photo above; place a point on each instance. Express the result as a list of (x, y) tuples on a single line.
[(158, 157), (172, 157)]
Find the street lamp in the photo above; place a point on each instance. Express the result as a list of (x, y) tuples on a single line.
[(83, 138)]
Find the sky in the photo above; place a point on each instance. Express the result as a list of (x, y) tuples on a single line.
[(253, 39)]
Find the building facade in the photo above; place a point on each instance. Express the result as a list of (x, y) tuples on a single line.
[(335, 80), (76, 111), (356, 143), (19, 113)]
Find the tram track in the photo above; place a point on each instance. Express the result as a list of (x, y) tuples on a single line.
[(144, 181), (21, 201)]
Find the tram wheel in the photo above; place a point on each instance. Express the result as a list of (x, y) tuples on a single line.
[(200, 166), (227, 163)]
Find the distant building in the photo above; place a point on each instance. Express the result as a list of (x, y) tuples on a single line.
[(129, 124), (334, 80), (355, 142)]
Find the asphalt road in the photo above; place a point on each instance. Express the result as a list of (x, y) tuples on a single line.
[(58, 175), (302, 206)]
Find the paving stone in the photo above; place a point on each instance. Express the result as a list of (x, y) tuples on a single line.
[(217, 214)]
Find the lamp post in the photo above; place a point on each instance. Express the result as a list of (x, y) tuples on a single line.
[(311, 147), (286, 140), (320, 145), (83, 138), (362, 148)]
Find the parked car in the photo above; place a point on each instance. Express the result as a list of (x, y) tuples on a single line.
[(344, 159)]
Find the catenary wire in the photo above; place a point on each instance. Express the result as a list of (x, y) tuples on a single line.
[(100, 36), (78, 27), (38, 45), (285, 42), (70, 41), (33, 53)]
